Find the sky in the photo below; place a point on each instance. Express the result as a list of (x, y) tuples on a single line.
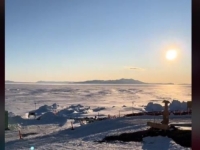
[(75, 40)]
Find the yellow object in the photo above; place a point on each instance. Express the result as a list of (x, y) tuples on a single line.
[(158, 125), (164, 124), (165, 113)]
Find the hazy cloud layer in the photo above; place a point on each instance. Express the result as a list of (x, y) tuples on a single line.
[(134, 68)]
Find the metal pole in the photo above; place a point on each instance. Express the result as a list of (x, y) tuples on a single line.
[(35, 110), (153, 115), (132, 107), (98, 112)]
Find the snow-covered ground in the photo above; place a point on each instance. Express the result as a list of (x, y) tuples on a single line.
[(56, 104)]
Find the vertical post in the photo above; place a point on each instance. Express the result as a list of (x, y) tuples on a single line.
[(166, 113), (20, 136), (35, 109), (98, 112), (181, 110), (153, 115), (35, 105), (72, 126), (119, 113), (132, 107)]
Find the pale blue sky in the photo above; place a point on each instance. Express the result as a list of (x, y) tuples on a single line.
[(75, 40)]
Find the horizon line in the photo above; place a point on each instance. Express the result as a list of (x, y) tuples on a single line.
[(91, 80)]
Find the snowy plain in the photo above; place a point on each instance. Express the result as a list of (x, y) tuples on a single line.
[(53, 131)]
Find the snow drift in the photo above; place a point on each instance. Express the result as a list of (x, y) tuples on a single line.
[(175, 105)]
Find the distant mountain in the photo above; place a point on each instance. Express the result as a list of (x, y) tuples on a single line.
[(8, 81), (185, 84), (15, 82), (54, 82), (119, 81), (164, 83)]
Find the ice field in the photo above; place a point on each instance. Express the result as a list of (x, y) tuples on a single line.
[(59, 105)]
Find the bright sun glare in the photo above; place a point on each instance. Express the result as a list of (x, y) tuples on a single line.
[(171, 54)]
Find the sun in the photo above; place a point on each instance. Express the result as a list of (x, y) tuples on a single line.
[(171, 54)]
